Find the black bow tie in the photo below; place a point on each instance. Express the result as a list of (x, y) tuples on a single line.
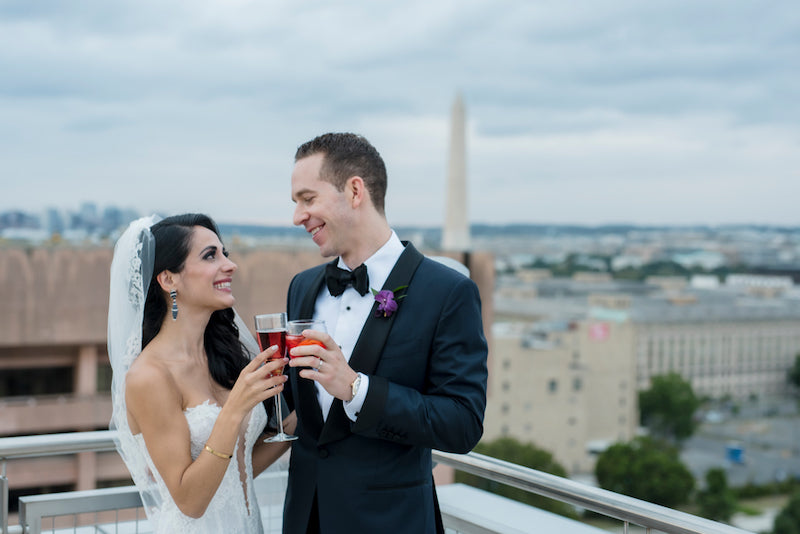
[(338, 279)]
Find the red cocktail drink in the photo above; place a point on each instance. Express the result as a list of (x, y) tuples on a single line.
[(298, 341), (273, 337)]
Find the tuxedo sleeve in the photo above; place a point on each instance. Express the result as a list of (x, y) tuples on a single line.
[(447, 412)]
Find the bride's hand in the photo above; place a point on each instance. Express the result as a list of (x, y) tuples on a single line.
[(256, 382)]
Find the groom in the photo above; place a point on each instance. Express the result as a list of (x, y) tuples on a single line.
[(402, 372)]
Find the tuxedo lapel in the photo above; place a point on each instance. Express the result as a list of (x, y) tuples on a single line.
[(369, 346), (306, 396)]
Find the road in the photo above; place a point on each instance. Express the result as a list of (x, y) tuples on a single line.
[(771, 447)]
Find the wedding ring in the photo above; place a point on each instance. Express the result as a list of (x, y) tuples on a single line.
[(319, 367)]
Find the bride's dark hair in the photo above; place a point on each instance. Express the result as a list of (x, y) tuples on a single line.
[(226, 354)]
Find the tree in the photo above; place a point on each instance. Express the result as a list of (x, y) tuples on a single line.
[(788, 520), (646, 469), (668, 407), (665, 268), (716, 501), (794, 371), (525, 454)]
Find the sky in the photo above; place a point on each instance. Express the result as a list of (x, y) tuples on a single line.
[(585, 112)]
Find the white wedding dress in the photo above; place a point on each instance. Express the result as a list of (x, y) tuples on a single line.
[(233, 509)]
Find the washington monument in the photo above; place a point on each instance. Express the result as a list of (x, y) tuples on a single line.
[(456, 237)]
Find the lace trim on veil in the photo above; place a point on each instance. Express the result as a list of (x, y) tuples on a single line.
[(131, 270)]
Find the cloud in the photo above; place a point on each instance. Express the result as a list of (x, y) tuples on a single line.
[(591, 112)]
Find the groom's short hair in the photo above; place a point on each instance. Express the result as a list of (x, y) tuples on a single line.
[(347, 155)]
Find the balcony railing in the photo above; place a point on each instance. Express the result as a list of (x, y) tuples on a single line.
[(628, 510)]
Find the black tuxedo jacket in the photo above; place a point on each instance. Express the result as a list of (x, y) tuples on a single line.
[(427, 369)]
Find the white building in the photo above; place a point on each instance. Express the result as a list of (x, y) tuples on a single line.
[(571, 355)]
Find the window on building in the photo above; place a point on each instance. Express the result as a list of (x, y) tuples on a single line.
[(35, 382), (552, 385), (577, 384), (506, 385), (104, 376), (15, 494)]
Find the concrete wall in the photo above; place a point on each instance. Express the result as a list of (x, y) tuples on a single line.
[(53, 296), (59, 296)]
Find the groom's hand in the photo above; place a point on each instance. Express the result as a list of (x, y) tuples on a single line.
[(325, 365)]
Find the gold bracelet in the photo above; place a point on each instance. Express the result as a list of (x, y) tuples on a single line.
[(219, 454)]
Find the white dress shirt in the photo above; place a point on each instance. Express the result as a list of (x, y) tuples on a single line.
[(346, 315)]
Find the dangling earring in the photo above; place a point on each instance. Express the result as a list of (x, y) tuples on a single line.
[(174, 295)]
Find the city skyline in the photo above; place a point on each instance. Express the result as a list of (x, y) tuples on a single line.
[(599, 113), (109, 217)]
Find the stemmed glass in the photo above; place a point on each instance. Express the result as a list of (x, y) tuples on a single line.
[(271, 330)]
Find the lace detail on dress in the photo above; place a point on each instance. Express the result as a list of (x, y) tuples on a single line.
[(228, 510)]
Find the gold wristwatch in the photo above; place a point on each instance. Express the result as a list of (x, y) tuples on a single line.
[(354, 386)]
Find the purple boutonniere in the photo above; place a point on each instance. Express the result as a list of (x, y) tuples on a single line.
[(387, 301)]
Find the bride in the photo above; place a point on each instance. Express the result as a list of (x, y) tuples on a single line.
[(188, 401)]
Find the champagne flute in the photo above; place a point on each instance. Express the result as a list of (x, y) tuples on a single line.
[(271, 330), (294, 333)]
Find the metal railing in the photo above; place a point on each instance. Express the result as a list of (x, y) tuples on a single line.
[(626, 509), (73, 503)]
